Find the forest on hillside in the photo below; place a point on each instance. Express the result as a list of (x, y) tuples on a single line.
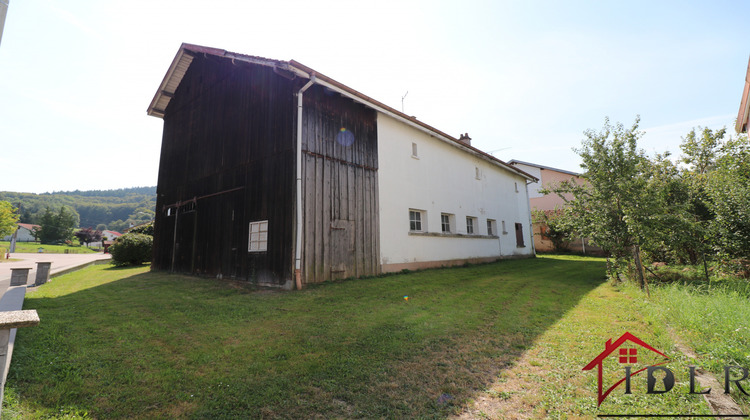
[(99, 209)]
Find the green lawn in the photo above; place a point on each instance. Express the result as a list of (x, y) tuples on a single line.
[(502, 340), (33, 247)]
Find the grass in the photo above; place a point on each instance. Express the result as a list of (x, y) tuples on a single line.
[(713, 320), (33, 247), (502, 340)]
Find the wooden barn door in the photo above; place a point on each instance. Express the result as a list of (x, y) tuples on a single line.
[(185, 243), (342, 241)]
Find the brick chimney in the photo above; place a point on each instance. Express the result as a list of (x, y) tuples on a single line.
[(465, 139)]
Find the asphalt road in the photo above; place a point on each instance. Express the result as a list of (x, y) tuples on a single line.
[(60, 263)]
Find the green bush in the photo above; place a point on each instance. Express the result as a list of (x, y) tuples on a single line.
[(132, 249)]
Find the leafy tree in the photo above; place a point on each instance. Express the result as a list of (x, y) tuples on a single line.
[(56, 227), (556, 226), (146, 229), (609, 206), (8, 219), (88, 235), (728, 189), (118, 226), (700, 152)]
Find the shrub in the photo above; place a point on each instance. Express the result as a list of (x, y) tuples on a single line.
[(146, 228), (131, 249)]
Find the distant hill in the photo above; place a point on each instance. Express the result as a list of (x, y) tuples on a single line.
[(115, 209)]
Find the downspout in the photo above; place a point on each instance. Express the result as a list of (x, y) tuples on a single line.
[(531, 222), (298, 240)]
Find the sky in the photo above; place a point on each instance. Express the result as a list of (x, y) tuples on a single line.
[(524, 79)]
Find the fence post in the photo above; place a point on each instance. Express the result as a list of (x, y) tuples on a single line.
[(42, 273), (19, 276)]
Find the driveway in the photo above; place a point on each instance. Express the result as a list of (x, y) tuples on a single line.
[(60, 263)]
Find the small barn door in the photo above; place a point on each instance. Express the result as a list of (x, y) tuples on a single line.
[(519, 235), (342, 240), (184, 257)]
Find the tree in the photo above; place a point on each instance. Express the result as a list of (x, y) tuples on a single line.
[(56, 227), (118, 226), (700, 152), (88, 235), (609, 205), (8, 219)]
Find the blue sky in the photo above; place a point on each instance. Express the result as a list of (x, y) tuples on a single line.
[(523, 78)]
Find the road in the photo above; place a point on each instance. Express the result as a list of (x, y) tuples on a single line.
[(60, 263)]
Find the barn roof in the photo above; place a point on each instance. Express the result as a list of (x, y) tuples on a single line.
[(185, 55)]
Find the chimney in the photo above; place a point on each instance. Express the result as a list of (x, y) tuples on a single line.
[(465, 139)]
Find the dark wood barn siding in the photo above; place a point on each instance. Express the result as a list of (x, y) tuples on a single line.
[(228, 143), (340, 187)]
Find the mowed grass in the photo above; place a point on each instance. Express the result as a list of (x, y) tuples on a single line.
[(126, 343), (33, 247), (503, 340)]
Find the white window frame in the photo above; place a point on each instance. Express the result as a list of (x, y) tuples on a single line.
[(449, 220), (471, 225), (257, 240), (491, 227), (414, 151), (420, 218)]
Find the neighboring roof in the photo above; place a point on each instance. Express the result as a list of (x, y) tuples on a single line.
[(536, 165), (112, 232), (744, 113), (28, 226), (185, 55)]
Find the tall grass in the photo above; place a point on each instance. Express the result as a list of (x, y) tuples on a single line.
[(713, 318)]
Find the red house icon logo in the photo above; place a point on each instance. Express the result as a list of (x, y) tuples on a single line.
[(625, 349)]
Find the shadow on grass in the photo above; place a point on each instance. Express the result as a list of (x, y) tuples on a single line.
[(156, 345)]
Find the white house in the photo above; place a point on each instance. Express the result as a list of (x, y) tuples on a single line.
[(25, 233), (443, 202)]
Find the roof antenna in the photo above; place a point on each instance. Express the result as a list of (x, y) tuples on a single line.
[(402, 101)]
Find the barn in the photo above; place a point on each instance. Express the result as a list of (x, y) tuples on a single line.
[(274, 173)]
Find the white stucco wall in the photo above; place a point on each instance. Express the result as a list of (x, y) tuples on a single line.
[(536, 172), (442, 179)]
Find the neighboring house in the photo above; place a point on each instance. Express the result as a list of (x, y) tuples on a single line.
[(744, 113), (110, 235), (25, 233), (275, 173), (546, 178)]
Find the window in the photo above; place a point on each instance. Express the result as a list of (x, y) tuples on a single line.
[(519, 235), (491, 227), (471, 223), (414, 153), (446, 222), (477, 173), (415, 220), (516, 184), (505, 232), (258, 241)]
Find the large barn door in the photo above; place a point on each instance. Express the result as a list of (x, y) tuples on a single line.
[(342, 241), (184, 257)]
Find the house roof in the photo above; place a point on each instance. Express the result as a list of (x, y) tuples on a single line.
[(185, 55), (112, 232), (744, 113), (28, 226), (536, 165)]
